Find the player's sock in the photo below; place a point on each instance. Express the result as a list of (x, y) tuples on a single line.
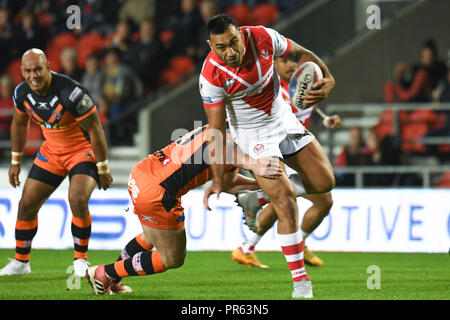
[(25, 232), (81, 232), (292, 247), (142, 263), (134, 246), (305, 234), (248, 246)]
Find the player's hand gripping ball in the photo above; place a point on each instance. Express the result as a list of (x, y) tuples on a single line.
[(303, 79)]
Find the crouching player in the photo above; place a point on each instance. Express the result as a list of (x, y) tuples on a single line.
[(156, 185)]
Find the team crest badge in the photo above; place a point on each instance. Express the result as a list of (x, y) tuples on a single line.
[(229, 82), (264, 54), (258, 148)]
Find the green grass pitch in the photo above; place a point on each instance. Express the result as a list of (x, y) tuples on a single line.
[(210, 275)]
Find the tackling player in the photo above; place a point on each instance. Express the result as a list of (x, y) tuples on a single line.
[(238, 81), (252, 201), (156, 185), (74, 146)]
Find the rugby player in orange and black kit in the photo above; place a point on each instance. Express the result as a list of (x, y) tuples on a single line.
[(156, 185), (74, 146)]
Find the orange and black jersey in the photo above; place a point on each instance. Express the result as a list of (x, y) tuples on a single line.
[(58, 112), (182, 165)]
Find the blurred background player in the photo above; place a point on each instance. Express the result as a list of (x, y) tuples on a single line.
[(74, 146), (156, 185), (253, 201), (237, 82)]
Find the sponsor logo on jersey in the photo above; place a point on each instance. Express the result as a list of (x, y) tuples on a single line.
[(229, 82), (53, 101), (264, 54), (42, 106), (75, 94), (148, 219), (30, 97)]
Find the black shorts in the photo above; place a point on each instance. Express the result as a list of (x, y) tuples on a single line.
[(37, 173)]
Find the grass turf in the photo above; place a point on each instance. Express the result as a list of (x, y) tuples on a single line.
[(214, 276)]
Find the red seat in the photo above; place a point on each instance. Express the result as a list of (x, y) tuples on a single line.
[(410, 133), (423, 115), (87, 45), (385, 126), (181, 64), (263, 14), (165, 37), (44, 19), (15, 71), (63, 40), (169, 77), (53, 54), (444, 182), (240, 13), (416, 126)]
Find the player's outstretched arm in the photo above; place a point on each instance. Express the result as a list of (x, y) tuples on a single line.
[(333, 122), (217, 143), (237, 182), (322, 88), (268, 168), (20, 127), (93, 127)]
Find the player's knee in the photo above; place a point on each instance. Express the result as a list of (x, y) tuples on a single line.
[(287, 219), (173, 261), (325, 184), (27, 209), (325, 204), (78, 203)]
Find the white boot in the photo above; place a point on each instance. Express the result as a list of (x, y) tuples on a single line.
[(15, 267)]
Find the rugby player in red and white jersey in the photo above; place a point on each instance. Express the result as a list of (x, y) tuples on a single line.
[(253, 201), (239, 82)]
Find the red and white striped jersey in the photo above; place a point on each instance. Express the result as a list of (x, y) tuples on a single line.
[(303, 115), (248, 91)]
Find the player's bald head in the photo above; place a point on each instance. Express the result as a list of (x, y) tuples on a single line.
[(36, 70), (34, 55)]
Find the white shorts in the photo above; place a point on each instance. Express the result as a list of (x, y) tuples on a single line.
[(282, 138)]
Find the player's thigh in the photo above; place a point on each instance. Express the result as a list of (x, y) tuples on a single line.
[(170, 243), (313, 165), (80, 190), (34, 194)]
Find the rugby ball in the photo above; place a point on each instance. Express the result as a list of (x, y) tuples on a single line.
[(303, 79)]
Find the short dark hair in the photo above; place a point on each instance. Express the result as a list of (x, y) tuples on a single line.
[(219, 24)]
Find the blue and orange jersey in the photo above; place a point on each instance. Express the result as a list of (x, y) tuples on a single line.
[(59, 111), (182, 165)]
